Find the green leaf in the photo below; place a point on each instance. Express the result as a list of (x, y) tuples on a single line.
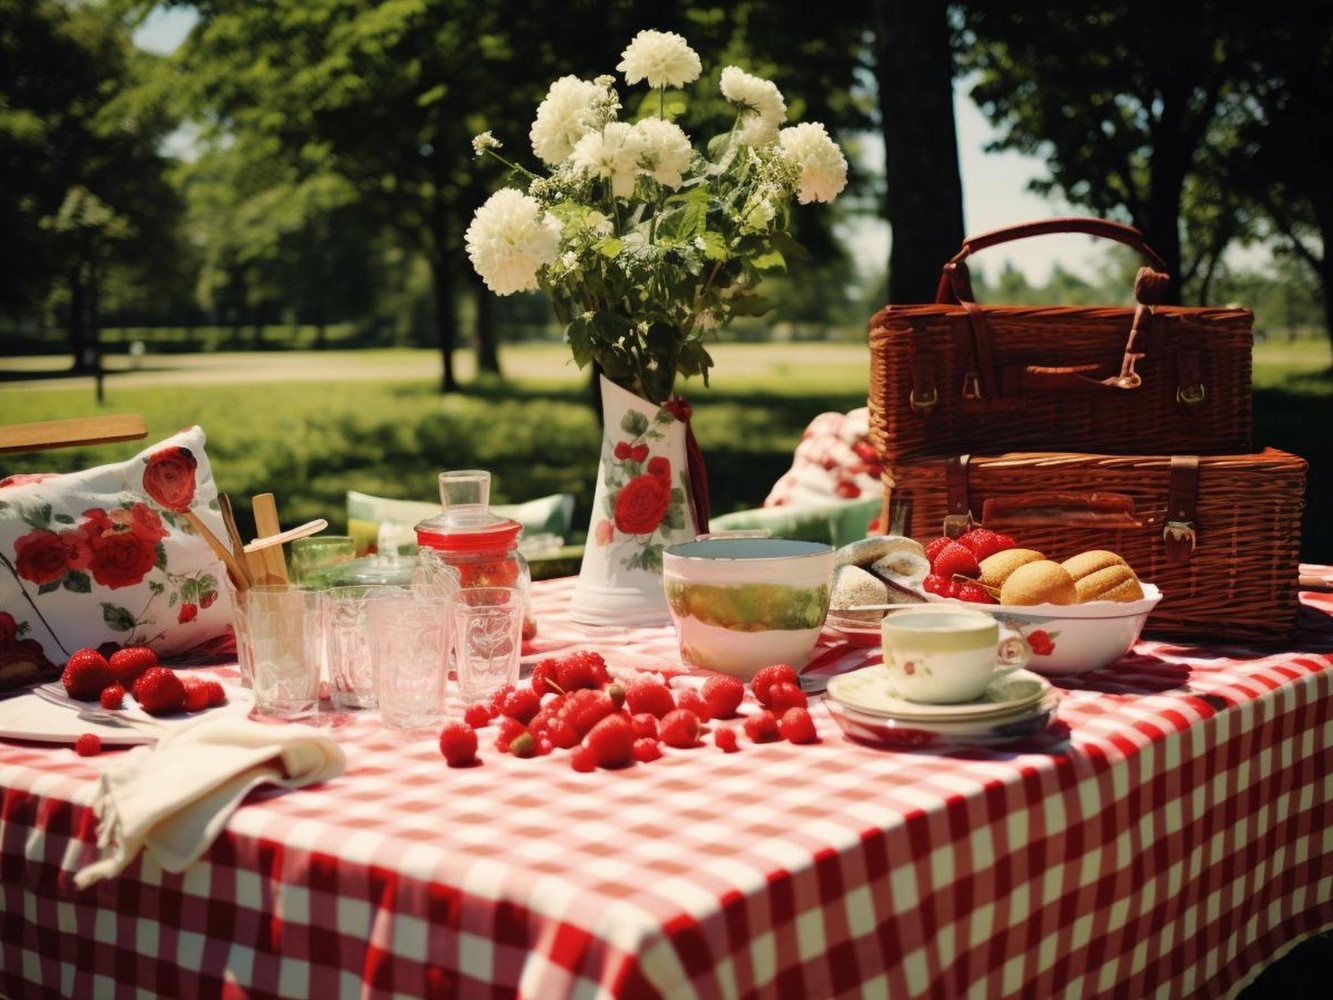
[(117, 618), (46, 588), (749, 305), (160, 553), (78, 582), (633, 423)]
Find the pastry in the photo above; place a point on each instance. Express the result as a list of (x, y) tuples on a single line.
[(853, 586), (995, 569), (1043, 581), (1101, 575)]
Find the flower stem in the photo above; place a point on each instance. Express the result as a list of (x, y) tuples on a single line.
[(28, 597)]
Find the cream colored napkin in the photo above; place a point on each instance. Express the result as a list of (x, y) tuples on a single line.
[(173, 799)]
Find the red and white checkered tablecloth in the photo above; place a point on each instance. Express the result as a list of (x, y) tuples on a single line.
[(1173, 843)]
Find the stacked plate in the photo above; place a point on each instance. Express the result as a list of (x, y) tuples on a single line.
[(1015, 706)]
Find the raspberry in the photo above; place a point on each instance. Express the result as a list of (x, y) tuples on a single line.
[(692, 701), (521, 704), (611, 742), (159, 691), (88, 745), (981, 541), (583, 669), (497, 697), (113, 696), (679, 728), (544, 677), (646, 695), (583, 759), (784, 696), (196, 694), (935, 584), (724, 695), (973, 592), (725, 739), (85, 674), (128, 663), (645, 724), (933, 547), (477, 715), (768, 676), (510, 730), (796, 726), (458, 744), (762, 727), (646, 750), (955, 559)]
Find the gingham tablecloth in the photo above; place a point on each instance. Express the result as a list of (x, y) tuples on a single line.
[(1173, 843)]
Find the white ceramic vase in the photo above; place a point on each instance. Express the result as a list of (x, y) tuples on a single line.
[(643, 502)]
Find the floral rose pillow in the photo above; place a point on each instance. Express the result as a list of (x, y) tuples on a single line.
[(108, 555)]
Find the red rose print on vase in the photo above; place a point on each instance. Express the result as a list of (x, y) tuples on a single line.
[(168, 478), (660, 466), (1041, 642), (641, 504)]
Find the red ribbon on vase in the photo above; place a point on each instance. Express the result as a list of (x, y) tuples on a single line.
[(694, 456)]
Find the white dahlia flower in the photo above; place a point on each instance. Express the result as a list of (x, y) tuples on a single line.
[(510, 240), (823, 167), (570, 111), (609, 155), (758, 102), (663, 151), (663, 58)]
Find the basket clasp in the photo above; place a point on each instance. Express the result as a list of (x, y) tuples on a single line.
[(1191, 395), (1181, 539)]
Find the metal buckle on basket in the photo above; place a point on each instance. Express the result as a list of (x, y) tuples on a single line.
[(924, 402), (971, 386), (1180, 532), (1191, 395), (956, 525)]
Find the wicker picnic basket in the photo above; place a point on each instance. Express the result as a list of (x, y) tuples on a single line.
[(1133, 380), (1220, 535)]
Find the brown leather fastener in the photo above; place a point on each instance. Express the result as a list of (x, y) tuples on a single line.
[(1189, 385), (925, 391), (1180, 533), (959, 516)]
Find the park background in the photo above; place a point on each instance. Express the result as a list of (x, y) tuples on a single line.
[(270, 198)]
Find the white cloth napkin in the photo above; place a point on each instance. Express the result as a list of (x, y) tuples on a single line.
[(173, 799)]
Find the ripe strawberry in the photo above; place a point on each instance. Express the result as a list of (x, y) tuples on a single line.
[(982, 542), (88, 745), (583, 759), (974, 592), (646, 695), (217, 694), (955, 559), (768, 676), (645, 724), (581, 669), (113, 696), (521, 704), (796, 726), (523, 745), (611, 742), (1003, 541), (510, 730), (762, 727), (933, 547), (477, 715), (692, 701), (159, 691), (680, 729), (458, 744), (646, 750), (784, 696), (497, 697), (85, 674), (196, 694), (935, 584), (544, 677), (725, 739), (724, 695), (585, 708), (128, 663), (617, 695)]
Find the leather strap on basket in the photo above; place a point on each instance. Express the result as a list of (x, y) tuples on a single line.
[(1179, 531), (981, 380), (958, 518)]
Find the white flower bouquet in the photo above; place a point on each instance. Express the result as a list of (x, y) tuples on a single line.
[(644, 243)]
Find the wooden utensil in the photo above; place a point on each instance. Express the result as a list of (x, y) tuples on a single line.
[(239, 576), (272, 565), (72, 432), (290, 535), (234, 535)]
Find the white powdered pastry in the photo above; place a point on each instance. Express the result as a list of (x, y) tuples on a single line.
[(853, 586)]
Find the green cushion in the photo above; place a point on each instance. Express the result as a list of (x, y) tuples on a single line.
[(836, 522)]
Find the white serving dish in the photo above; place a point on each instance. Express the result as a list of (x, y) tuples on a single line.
[(1073, 638)]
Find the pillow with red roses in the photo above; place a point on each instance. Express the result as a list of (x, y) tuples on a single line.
[(106, 555)]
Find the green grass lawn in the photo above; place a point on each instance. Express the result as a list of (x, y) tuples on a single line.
[(309, 426)]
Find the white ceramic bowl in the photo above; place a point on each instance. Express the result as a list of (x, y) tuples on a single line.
[(739, 604), (1073, 638)]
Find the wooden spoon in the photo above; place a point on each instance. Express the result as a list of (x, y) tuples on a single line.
[(290, 535)]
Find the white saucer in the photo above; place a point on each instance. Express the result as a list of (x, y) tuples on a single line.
[(870, 690), (913, 733)]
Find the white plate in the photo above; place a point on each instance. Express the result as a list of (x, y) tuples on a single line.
[(913, 733), (28, 717), (867, 690), (855, 631)]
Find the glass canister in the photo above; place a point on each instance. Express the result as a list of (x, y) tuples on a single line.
[(482, 546)]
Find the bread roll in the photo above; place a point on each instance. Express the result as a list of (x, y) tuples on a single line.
[(1043, 581), (995, 569), (1100, 575)]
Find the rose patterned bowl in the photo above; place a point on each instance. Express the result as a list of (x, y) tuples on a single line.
[(1073, 638), (739, 604)]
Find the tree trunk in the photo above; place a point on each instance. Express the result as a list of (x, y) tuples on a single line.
[(446, 319), (78, 328), (484, 334), (924, 197)]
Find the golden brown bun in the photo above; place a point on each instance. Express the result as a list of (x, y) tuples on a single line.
[(995, 569), (1041, 582), (1084, 563), (1100, 575)]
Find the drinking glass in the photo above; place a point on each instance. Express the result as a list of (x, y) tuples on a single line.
[(348, 653), (488, 638), (314, 560), (284, 638), (240, 629), (410, 644)]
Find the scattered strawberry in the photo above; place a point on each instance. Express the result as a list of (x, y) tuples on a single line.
[(724, 695), (955, 560), (529, 629), (617, 695), (647, 695), (128, 663), (784, 696), (88, 745), (611, 742), (796, 726), (477, 715), (159, 691), (584, 709), (982, 542), (934, 546), (646, 750), (458, 744), (973, 592), (217, 694), (497, 697), (544, 677), (113, 696), (692, 701), (936, 584), (582, 669), (725, 739), (680, 729), (768, 676), (196, 694), (762, 727), (521, 704), (85, 674), (645, 724), (583, 759), (510, 730), (1003, 541)]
